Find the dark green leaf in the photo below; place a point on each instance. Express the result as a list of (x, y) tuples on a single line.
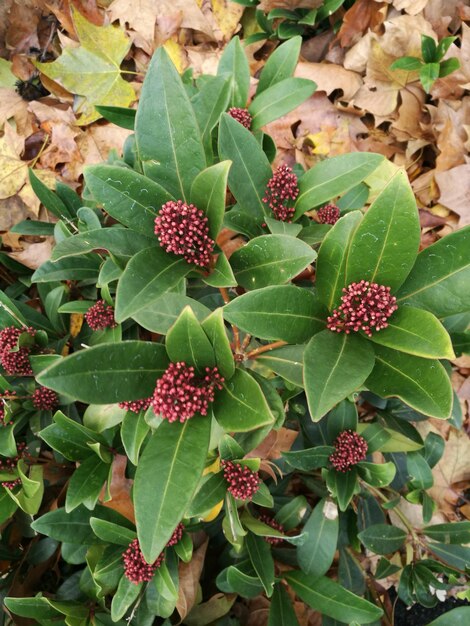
[(280, 64), (49, 199), (126, 594), (457, 532), (262, 561), (214, 328), (455, 556), (118, 241), (209, 103), (434, 446), (310, 458), (419, 472), (210, 493), (208, 194), (186, 341), (111, 532), (134, 429), (343, 486), (279, 99), (382, 538), (456, 617), (125, 118), (84, 268), (281, 612), (234, 63), (316, 554), (86, 483), (163, 312), (287, 362)]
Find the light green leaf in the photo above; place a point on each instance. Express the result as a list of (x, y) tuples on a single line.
[(186, 341), (208, 193), (280, 64), (279, 99)]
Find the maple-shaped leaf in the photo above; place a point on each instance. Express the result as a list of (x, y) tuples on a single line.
[(91, 70)]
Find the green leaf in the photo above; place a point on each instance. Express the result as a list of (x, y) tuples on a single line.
[(250, 171), (119, 241), (310, 458), (382, 538), (331, 599), (409, 64), (286, 362), (91, 70), (332, 178), (111, 532), (284, 313), (455, 556), (417, 332), (208, 194), (419, 472), (270, 260), (421, 383), (428, 49), (70, 438), (377, 474), (284, 228), (262, 561), (316, 554), (210, 493), (332, 259), (209, 103), (167, 134), (456, 617), (186, 341), (434, 446), (343, 486), (234, 63), (241, 405), (167, 476), (49, 199), (335, 365), (37, 608), (279, 99), (443, 46), (457, 532), (214, 328), (221, 275), (134, 429), (385, 244), (439, 278), (148, 275), (126, 594), (108, 372), (132, 199), (245, 585), (125, 118), (86, 483), (281, 612), (428, 75), (342, 417), (281, 64), (163, 312), (448, 66), (84, 268), (354, 199)]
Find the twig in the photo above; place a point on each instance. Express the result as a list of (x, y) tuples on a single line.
[(270, 346)]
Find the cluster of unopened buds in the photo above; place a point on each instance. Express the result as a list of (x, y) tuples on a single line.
[(180, 393), (45, 399), (270, 521), (14, 359), (136, 406), (350, 449), (281, 192), (9, 464), (242, 116), (242, 482), (100, 316), (136, 568), (364, 306), (328, 214), (183, 229)]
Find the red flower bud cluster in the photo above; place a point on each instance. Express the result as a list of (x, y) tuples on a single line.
[(176, 536), (270, 521), (281, 191), (183, 229), (136, 568), (136, 406), (13, 360), (11, 484), (4, 397), (350, 449), (328, 214), (242, 482), (180, 394), (8, 464), (241, 115), (364, 306), (45, 399), (100, 316)]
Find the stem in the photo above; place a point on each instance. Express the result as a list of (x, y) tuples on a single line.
[(246, 342), (224, 294), (270, 346), (397, 511)]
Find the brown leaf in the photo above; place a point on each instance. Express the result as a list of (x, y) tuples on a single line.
[(277, 441), (448, 121), (363, 15), (189, 575), (330, 77), (34, 254), (120, 489), (268, 5), (454, 185)]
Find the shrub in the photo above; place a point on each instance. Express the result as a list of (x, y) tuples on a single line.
[(171, 357)]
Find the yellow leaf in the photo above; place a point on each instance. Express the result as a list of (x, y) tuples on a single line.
[(176, 53), (227, 15), (13, 171), (92, 69), (212, 469), (76, 321), (213, 512)]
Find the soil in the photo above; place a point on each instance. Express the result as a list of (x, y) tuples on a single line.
[(421, 616)]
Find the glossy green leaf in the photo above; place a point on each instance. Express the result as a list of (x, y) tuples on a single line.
[(281, 611), (342, 417), (279, 99), (335, 365), (270, 260), (417, 332), (118, 241), (38, 607), (456, 617), (121, 116), (421, 383), (332, 259), (210, 493), (214, 328), (167, 134), (455, 532), (286, 362), (439, 278), (186, 341), (316, 554), (134, 429), (126, 594), (434, 446), (234, 63), (280, 64), (455, 556), (83, 268), (86, 483), (428, 74), (49, 199), (210, 101), (241, 405), (310, 458), (419, 472), (331, 599), (208, 194), (385, 245), (108, 372), (132, 199), (70, 438), (382, 538), (260, 556), (377, 474), (163, 312), (167, 476), (333, 177), (148, 276), (250, 171), (343, 486), (111, 532), (285, 313), (221, 275)]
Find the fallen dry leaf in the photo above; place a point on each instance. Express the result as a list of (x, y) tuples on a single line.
[(454, 185), (358, 19), (13, 171), (330, 77), (34, 254), (120, 489), (189, 575), (274, 444)]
